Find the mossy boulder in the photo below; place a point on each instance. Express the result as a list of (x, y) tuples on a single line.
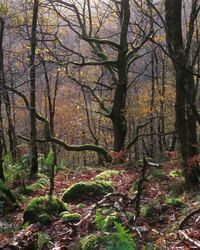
[(84, 189), (106, 175), (68, 217), (43, 205)]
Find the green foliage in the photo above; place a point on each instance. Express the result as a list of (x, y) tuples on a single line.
[(46, 162), (177, 188), (85, 189), (17, 171), (43, 205), (106, 221), (158, 173), (43, 240), (91, 242), (81, 205), (175, 173), (45, 219), (149, 211), (121, 240), (7, 198), (174, 202), (74, 217), (106, 175)]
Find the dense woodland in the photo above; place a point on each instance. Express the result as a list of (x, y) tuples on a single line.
[(99, 124)]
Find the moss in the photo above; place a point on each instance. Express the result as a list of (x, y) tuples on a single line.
[(41, 205), (85, 189), (177, 188), (45, 219), (159, 174), (91, 242), (174, 202), (81, 205), (149, 212), (106, 175), (75, 217), (63, 213)]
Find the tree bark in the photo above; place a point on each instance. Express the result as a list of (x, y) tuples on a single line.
[(185, 119), (33, 132)]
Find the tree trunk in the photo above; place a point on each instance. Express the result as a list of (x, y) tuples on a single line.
[(185, 87), (2, 177), (33, 133)]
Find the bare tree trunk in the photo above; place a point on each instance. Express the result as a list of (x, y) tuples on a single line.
[(33, 133), (2, 177)]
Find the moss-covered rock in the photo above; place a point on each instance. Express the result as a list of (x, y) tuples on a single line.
[(91, 242), (85, 189), (74, 217), (106, 175), (45, 219), (43, 205)]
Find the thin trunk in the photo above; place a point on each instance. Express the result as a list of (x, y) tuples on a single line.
[(2, 177), (33, 133)]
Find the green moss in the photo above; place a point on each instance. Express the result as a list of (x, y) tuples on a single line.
[(81, 205), (85, 189), (174, 202), (45, 219), (91, 242), (63, 213), (177, 188), (159, 174), (106, 175), (149, 212), (75, 217), (41, 205)]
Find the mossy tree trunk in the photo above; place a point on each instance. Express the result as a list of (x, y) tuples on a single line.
[(185, 87)]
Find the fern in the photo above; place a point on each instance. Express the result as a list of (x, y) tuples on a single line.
[(50, 158)]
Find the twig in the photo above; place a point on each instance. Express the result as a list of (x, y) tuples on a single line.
[(181, 233), (196, 211)]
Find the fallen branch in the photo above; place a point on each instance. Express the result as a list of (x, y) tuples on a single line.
[(196, 211), (184, 235)]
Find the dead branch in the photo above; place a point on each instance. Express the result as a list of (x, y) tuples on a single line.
[(188, 216), (187, 238)]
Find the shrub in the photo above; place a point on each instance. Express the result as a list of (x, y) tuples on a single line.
[(85, 189), (43, 205)]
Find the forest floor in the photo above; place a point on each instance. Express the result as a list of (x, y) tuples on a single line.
[(164, 204)]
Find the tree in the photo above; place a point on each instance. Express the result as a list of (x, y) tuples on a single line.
[(33, 133), (185, 84), (116, 54)]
